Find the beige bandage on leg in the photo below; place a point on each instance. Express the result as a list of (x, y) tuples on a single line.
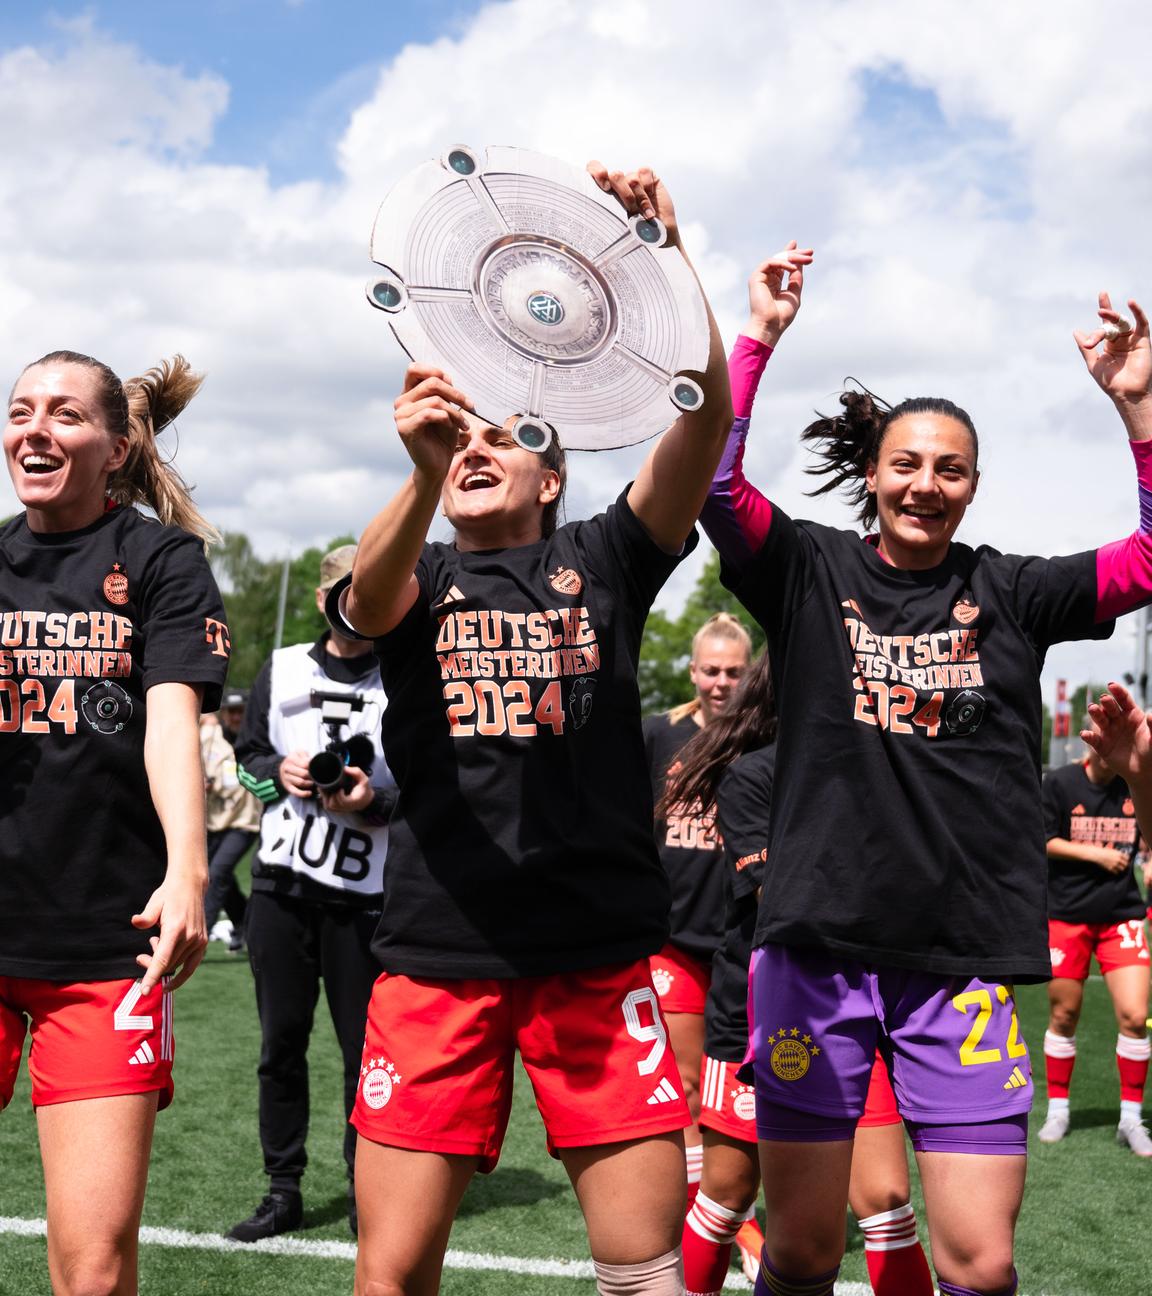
[(663, 1276)]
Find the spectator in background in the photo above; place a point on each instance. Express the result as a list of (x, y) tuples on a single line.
[(233, 818), (317, 879)]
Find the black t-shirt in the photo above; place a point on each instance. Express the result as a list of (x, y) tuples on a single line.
[(688, 846), (1100, 814), (89, 621), (743, 801), (906, 825), (521, 843)]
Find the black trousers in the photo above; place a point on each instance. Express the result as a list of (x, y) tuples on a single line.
[(226, 850), (293, 945)]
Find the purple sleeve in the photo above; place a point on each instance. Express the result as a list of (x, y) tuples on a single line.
[(736, 517), (1124, 567)]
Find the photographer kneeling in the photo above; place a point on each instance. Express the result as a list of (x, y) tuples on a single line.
[(313, 722)]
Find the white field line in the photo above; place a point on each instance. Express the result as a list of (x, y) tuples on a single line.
[(325, 1250)]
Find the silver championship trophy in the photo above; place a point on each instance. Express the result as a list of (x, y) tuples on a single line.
[(540, 297)]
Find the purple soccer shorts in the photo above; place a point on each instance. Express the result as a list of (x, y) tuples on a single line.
[(952, 1043)]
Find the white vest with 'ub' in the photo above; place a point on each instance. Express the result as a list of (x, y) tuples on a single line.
[(340, 851)]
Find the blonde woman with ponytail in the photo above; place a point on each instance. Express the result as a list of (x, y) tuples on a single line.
[(691, 854), (112, 640)]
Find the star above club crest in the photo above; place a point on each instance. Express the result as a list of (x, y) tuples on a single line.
[(806, 1039), (794, 1031)]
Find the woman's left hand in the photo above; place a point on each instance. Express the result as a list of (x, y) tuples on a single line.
[(177, 907), (641, 192), (1123, 365)]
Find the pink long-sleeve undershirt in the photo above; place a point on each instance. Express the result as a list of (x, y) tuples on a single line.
[(736, 516), (1124, 567)]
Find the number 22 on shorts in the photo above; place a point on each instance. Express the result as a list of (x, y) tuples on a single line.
[(970, 1052)]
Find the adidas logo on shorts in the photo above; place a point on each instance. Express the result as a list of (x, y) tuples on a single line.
[(1016, 1080), (143, 1056), (663, 1093)]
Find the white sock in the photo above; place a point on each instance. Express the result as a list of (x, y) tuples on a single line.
[(694, 1156), (1057, 1105), (713, 1222), (890, 1230), (1059, 1045), (1130, 1112)]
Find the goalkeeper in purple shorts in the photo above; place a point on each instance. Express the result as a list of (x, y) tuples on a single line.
[(905, 893)]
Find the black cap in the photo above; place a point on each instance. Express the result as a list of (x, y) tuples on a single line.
[(233, 697)]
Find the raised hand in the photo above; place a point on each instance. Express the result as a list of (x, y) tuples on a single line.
[(641, 192), (1121, 735), (774, 292), (429, 419), (1122, 367)]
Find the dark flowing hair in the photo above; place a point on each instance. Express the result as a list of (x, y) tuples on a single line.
[(746, 723), (555, 459), (139, 409), (848, 442)]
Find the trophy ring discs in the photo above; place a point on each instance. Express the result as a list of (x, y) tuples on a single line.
[(532, 288)]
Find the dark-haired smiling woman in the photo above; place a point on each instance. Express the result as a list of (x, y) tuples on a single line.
[(523, 894), (112, 639), (906, 886)]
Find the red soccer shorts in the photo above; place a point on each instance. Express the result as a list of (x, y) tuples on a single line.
[(880, 1102), (1116, 945), (728, 1106), (681, 981), (90, 1039), (439, 1061)]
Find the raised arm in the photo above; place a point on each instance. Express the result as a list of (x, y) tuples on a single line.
[(736, 516), (384, 586), (1122, 368), (670, 487), (1121, 735)]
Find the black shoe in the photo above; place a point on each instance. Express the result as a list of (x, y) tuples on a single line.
[(353, 1217), (279, 1212)]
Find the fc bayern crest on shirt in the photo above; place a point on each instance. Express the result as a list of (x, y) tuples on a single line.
[(378, 1082), (116, 586), (566, 581), (965, 611), (792, 1053)]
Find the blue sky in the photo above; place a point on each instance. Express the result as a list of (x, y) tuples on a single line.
[(294, 70), (948, 162)]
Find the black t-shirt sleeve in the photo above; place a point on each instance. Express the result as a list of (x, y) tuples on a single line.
[(182, 620), (743, 802), (777, 580), (1055, 598), (616, 546), (1055, 808)]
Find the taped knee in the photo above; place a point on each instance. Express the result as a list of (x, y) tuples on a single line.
[(663, 1276)]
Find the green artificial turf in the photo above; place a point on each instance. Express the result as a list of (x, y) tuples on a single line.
[(1081, 1231)]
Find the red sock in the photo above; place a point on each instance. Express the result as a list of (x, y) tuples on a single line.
[(707, 1245), (895, 1258), (1132, 1063), (1059, 1059)]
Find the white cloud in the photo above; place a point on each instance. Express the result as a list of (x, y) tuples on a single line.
[(960, 269)]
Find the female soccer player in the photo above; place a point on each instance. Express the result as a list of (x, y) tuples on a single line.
[(688, 848), (1095, 908), (731, 765), (113, 639), (907, 669), (523, 895)]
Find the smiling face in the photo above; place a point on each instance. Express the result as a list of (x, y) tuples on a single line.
[(717, 666), (496, 492), (58, 446), (923, 479)]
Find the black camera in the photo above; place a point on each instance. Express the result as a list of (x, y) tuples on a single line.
[(328, 768)]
